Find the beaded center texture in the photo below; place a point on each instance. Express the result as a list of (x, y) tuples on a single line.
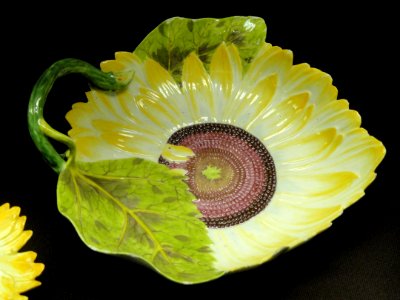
[(232, 174)]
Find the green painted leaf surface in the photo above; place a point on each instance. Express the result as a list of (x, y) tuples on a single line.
[(175, 38), (141, 209)]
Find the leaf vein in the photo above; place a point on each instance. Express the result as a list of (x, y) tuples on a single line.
[(124, 209), (78, 199)]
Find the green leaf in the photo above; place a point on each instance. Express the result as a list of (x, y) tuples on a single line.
[(141, 209), (175, 38)]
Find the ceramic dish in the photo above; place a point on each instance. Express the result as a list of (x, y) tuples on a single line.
[(205, 151)]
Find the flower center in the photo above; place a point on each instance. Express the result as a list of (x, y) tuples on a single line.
[(231, 174), (212, 172)]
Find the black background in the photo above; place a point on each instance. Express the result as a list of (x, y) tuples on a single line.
[(357, 258)]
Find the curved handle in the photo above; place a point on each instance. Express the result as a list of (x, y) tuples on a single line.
[(38, 127)]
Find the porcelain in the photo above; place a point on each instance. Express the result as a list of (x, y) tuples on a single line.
[(18, 269), (205, 151)]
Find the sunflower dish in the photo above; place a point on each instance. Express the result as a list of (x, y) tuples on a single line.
[(206, 151)]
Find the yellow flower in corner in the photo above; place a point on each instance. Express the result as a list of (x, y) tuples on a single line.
[(18, 270)]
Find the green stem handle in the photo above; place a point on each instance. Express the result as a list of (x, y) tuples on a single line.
[(38, 127)]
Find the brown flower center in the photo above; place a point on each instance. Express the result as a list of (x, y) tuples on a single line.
[(232, 174)]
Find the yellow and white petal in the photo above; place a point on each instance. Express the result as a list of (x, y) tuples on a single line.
[(122, 67), (252, 104), (124, 61), (307, 149), (336, 114), (235, 250), (302, 78), (295, 82), (178, 154), (226, 76), (279, 121), (226, 70), (168, 95), (270, 60), (112, 126), (198, 93), (259, 86), (279, 227), (339, 178), (160, 80)]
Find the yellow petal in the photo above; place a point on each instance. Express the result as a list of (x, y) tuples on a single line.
[(338, 115), (112, 125), (302, 78), (310, 187), (160, 79), (359, 153), (279, 118), (226, 76), (123, 67), (14, 241), (80, 116), (250, 243), (301, 222), (4, 209), (123, 60), (252, 105), (174, 153), (7, 288), (270, 60), (226, 70), (10, 221), (197, 85), (17, 270), (24, 286), (157, 113), (131, 111), (234, 252), (305, 149)]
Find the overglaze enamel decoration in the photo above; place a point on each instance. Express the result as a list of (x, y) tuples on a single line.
[(205, 150)]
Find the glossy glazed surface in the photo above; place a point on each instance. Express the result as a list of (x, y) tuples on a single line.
[(190, 72)]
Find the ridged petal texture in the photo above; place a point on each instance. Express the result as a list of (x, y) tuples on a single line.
[(18, 270), (323, 159)]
